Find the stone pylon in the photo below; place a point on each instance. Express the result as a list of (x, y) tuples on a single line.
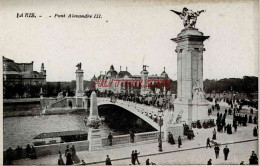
[(190, 100), (79, 83), (94, 122), (144, 75)]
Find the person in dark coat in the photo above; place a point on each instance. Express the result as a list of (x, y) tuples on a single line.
[(33, 153), (216, 149), (226, 151), (255, 132), (251, 111), (74, 156), (110, 138), (19, 152), (28, 150), (60, 160), (255, 120), (250, 120), (169, 137), (136, 156), (108, 161), (132, 137), (133, 158), (9, 156), (147, 162), (67, 150), (209, 162), (253, 159), (235, 126), (208, 143), (69, 159), (179, 141)]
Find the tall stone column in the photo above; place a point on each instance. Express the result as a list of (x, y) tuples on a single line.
[(79, 83), (94, 122), (190, 75), (144, 75)]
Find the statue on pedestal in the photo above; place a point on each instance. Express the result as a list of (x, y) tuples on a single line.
[(144, 67), (189, 17), (79, 66)]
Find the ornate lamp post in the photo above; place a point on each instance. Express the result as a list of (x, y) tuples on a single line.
[(160, 124)]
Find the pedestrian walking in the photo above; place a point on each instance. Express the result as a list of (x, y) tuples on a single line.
[(179, 141), (208, 143), (216, 149), (214, 137), (60, 160), (74, 156), (136, 156), (255, 132), (67, 150), (69, 159), (226, 152), (133, 158), (108, 161)]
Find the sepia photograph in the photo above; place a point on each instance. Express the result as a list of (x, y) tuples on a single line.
[(149, 82)]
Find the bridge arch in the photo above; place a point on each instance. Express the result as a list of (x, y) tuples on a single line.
[(134, 109)]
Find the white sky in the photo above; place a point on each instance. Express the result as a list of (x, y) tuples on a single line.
[(136, 33)]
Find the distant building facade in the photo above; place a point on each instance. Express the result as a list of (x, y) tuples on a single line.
[(22, 73), (123, 81)]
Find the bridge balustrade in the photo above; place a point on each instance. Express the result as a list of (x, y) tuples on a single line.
[(139, 137)]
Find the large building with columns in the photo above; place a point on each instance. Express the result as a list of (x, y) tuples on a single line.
[(123, 79)]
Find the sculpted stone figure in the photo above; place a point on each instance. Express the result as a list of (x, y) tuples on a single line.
[(79, 66), (189, 17), (144, 67), (198, 93)]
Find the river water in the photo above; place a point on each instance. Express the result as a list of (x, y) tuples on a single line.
[(20, 131)]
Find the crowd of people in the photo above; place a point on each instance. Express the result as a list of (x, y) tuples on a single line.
[(71, 156), (19, 153)]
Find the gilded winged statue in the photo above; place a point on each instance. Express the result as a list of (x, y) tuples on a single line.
[(189, 17)]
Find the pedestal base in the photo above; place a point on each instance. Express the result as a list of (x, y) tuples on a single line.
[(193, 110), (176, 130), (95, 141)]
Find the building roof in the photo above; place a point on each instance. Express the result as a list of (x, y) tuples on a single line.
[(112, 72), (122, 74), (93, 78), (60, 134), (164, 74), (10, 65)]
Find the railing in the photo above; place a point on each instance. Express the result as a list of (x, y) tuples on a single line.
[(139, 137), (21, 100), (53, 105)]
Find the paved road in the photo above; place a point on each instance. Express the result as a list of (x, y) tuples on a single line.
[(238, 152)]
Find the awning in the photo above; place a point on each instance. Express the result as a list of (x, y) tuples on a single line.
[(60, 134)]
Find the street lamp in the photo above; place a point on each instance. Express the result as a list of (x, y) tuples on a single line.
[(160, 124)]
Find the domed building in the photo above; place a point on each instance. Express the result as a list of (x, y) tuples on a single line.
[(164, 74), (124, 82), (112, 73)]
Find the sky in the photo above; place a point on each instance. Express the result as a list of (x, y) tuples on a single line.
[(129, 34)]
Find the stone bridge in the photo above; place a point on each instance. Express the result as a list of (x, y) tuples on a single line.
[(148, 113)]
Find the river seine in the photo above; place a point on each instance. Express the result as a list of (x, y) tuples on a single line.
[(20, 131)]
